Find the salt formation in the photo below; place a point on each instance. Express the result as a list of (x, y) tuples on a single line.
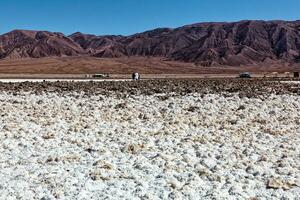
[(176, 147)]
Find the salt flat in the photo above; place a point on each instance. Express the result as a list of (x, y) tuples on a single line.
[(157, 146), (55, 80), (291, 82)]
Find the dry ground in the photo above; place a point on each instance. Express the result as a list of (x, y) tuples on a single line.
[(86, 65)]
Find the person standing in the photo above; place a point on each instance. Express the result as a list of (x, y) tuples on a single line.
[(135, 76)]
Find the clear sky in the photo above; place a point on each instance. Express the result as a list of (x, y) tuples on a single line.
[(131, 16)]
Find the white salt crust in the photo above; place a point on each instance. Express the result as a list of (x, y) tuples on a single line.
[(185, 147)]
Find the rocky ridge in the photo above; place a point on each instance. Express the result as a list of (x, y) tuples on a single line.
[(206, 44)]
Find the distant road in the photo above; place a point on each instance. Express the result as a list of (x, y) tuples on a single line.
[(112, 76), (125, 77)]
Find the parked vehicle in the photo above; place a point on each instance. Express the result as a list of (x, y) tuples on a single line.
[(245, 75), (100, 75)]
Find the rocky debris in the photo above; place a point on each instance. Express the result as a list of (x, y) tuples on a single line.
[(245, 88)]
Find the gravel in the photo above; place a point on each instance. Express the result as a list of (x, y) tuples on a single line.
[(244, 87)]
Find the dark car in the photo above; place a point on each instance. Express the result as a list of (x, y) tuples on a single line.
[(100, 75), (245, 75)]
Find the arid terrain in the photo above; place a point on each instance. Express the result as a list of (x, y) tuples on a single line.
[(257, 46), (86, 65), (91, 65), (189, 129), (244, 87), (152, 139)]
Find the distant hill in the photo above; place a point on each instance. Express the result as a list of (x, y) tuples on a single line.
[(205, 44)]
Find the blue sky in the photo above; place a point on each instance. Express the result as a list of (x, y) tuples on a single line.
[(131, 16)]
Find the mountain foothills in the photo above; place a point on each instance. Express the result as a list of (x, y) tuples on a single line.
[(206, 44)]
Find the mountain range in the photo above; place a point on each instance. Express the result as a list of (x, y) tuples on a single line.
[(205, 44)]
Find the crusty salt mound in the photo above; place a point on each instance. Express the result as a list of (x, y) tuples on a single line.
[(155, 146)]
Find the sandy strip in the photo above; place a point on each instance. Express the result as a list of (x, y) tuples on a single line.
[(55, 80), (291, 82)]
